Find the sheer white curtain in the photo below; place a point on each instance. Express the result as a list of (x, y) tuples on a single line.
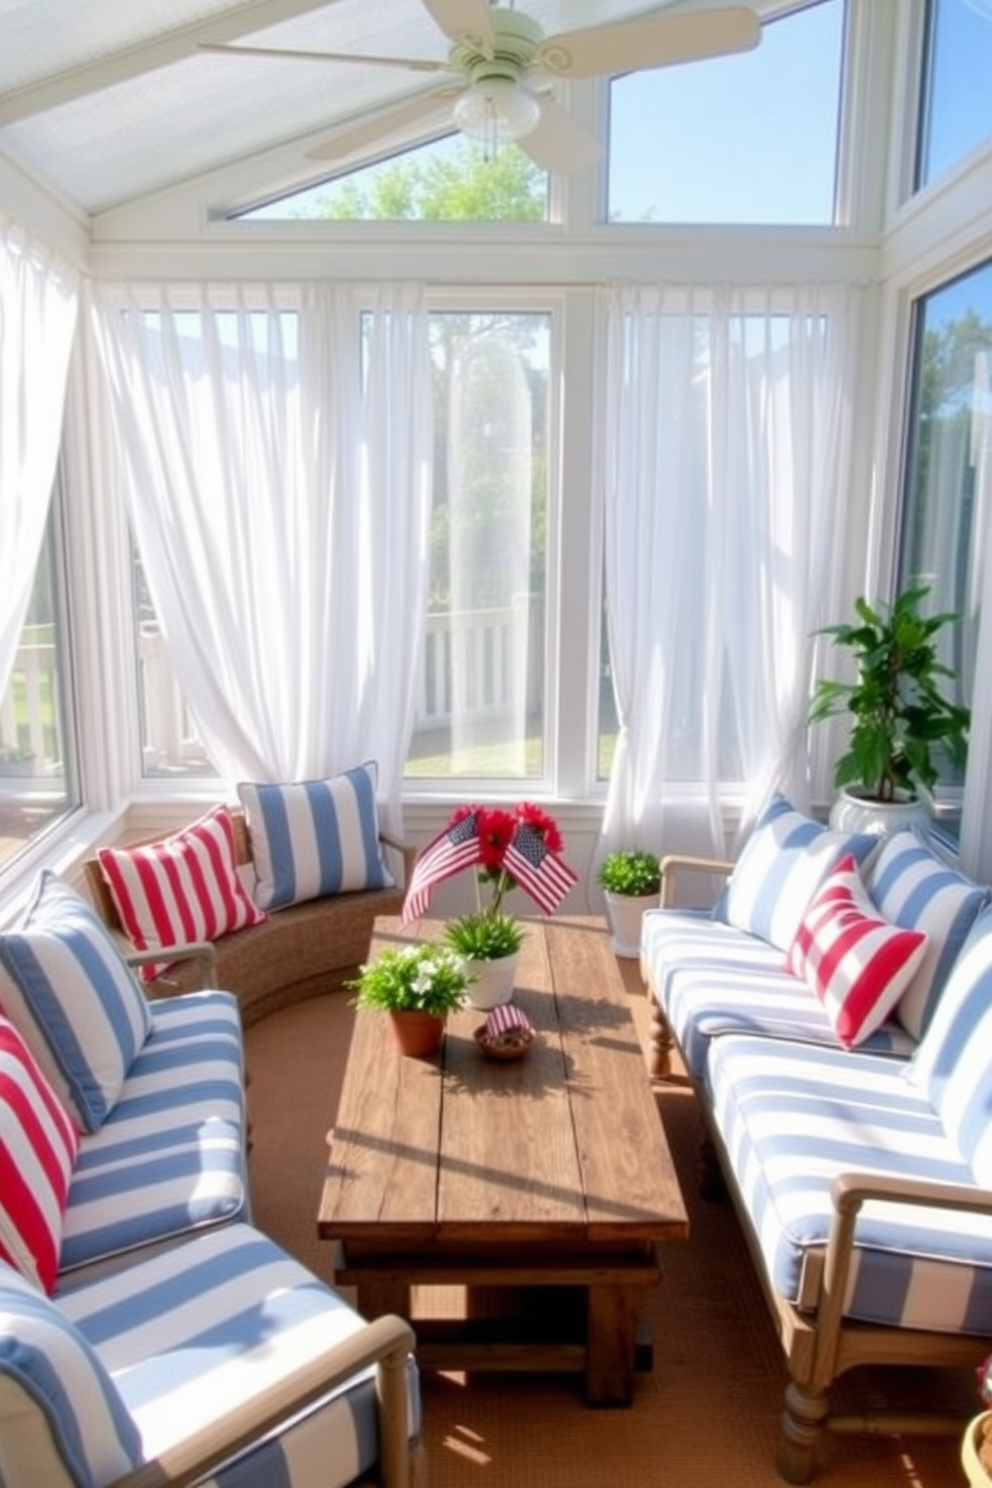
[(38, 304), (727, 481), (280, 506)]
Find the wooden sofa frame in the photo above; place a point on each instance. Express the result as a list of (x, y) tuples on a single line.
[(298, 952), (818, 1342)]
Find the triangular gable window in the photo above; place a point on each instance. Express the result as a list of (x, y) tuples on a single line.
[(447, 180)]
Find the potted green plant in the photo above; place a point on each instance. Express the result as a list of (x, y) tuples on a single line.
[(901, 716), (631, 883), (490, 941), (417, 985)]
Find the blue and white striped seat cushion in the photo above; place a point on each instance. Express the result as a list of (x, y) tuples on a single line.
[(190, 1330), (916, 890), (794, 1116), (712, 979), (171, 1155)]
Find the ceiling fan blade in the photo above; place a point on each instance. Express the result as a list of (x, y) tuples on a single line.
[(651, 41), (375, 128), (467, 22), (408, 64), (557, 142)]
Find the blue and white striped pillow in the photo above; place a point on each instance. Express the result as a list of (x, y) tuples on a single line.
[(785, 860), (953, 1065), (314, 837), (45, 1357), (914, 889), (72, 997)]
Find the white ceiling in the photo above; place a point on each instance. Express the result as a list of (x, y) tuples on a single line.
[(108, 100)]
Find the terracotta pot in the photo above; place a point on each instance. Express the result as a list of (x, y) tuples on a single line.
[(624, 912), (974, 1437), (494, 981), (417, 1034)]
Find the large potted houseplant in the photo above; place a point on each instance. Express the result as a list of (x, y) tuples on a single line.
[(631, 882), (507, 849), (902, 718), (418, 985)]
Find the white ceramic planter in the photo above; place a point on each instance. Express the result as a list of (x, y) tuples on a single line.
[(853, 813), (971, 1462), (624, 912), (494, 981)]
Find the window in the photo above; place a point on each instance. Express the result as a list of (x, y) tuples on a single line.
[(448, 180), (481, 710), (948, 499), (171, 747), (744, 138), (37, 762), (957, 99)]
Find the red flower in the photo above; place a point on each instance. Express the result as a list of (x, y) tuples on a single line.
[(496, 828), (540, 822)]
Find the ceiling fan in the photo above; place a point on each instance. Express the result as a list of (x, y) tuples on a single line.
[(505, 65)]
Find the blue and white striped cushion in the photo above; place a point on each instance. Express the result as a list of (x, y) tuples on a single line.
[(170, 1157), (783, 863), (916, 890), (192, 1330), (74, 1000), (792, 1117), (53, 1385), (314, 837), (953, 1065), (713, 979)]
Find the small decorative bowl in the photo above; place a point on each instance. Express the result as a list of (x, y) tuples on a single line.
[(506, 1034)]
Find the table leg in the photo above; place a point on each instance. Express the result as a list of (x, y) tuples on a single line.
[(378, 1296), (611, 1336)]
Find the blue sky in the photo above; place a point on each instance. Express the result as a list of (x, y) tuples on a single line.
[(747, 138)]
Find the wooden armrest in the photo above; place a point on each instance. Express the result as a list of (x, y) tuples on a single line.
[(848, 1192), (406, 852), (675, 863), (386, 1342), (197, 950)]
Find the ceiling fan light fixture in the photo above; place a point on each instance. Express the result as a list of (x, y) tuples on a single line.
[(496, 110)]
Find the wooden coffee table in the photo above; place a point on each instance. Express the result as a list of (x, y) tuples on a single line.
[(550, 1173)]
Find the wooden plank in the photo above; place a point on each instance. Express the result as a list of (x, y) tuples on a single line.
[(488, 1267), (508, 1167), (382, 1159), (631, 1189)]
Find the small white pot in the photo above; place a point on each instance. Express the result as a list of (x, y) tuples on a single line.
[(494, 981), (624, 912), (855, 813)]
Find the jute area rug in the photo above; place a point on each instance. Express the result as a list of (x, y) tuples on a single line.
[(708, 1412)]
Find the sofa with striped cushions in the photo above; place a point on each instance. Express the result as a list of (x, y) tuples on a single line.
[(148, 1333), (286, 887), (832, 1013)]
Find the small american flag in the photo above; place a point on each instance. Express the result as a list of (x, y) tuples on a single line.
[(455, 848), (536, 869)]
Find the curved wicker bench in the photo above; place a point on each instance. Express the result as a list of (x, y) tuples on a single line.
[(298, 952)]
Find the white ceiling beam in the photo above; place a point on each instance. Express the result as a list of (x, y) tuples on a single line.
[(147, 56)]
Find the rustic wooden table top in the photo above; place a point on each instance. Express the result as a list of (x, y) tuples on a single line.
[(562, 1148)]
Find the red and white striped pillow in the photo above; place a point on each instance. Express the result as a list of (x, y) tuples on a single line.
[(38, 1146), (856, 962), (182, 889)]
